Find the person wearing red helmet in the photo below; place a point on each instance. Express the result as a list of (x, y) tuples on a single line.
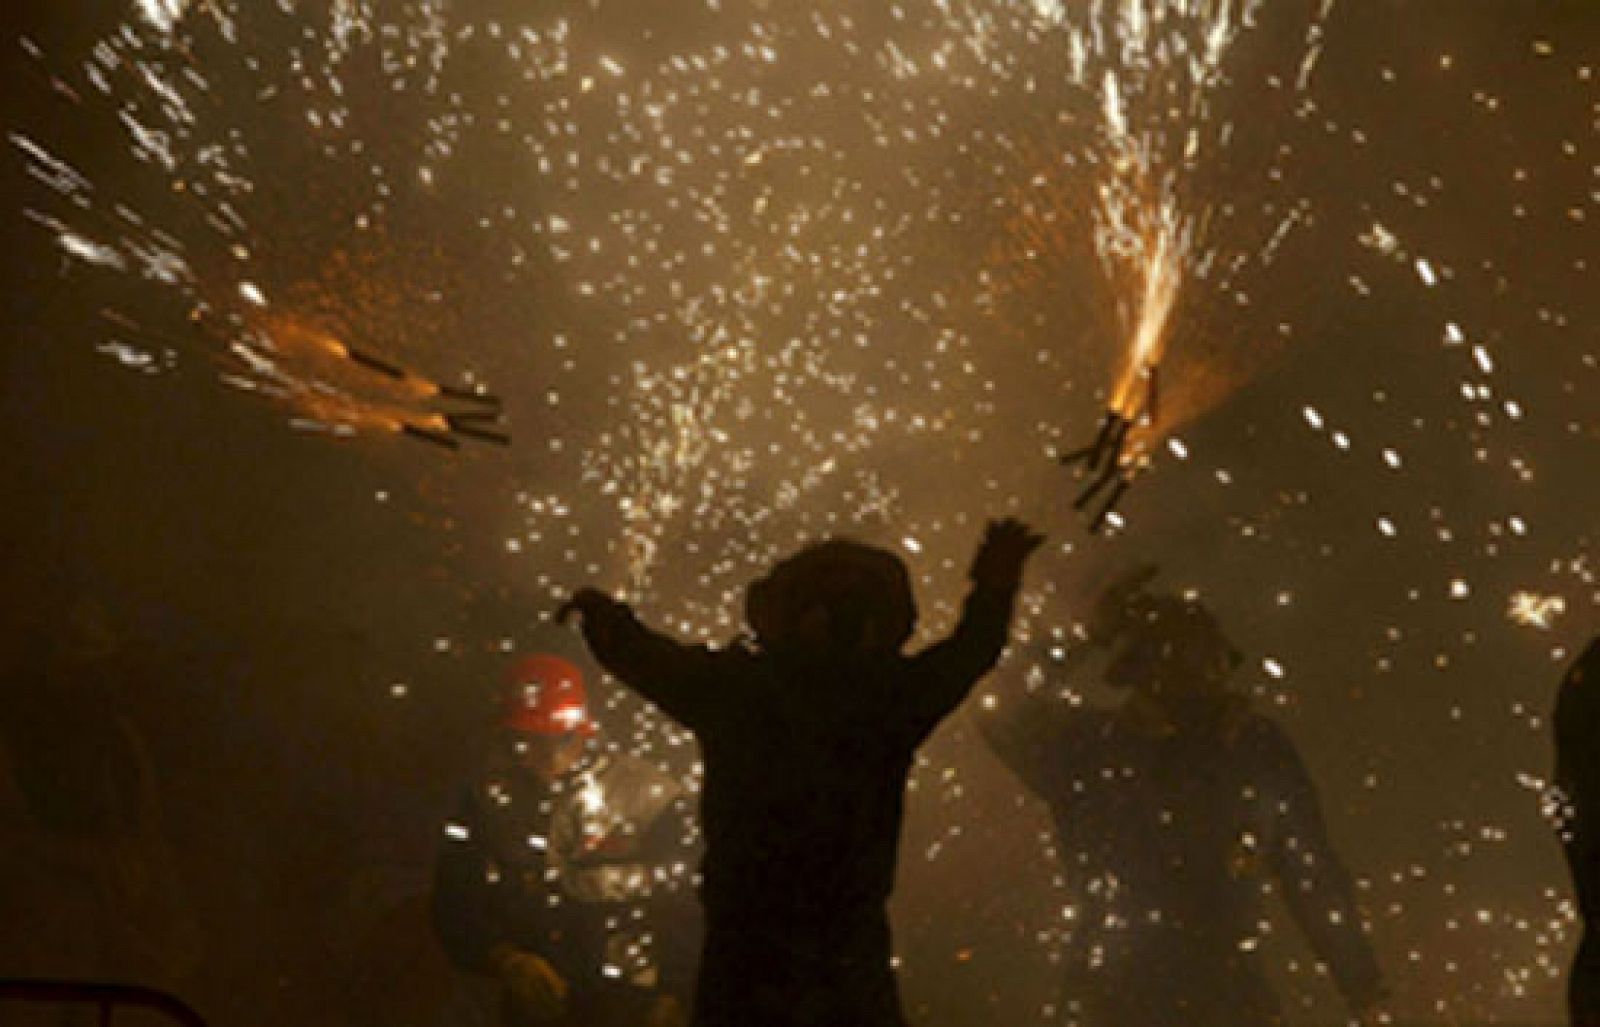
[(564, 875), (807, 736), (546, 698), (1176, 812)]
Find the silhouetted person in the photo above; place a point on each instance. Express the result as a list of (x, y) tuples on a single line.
[(1577, 726), (807, 737), (564, 875), (1176, 812), (92, 882)]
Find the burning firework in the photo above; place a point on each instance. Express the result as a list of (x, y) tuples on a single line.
[(738, 268), (1153, 67)]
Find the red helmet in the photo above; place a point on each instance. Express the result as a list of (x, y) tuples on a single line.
[(546, 697)]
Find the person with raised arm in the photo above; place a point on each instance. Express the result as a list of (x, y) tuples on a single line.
[(807, 736), (1177, 812)]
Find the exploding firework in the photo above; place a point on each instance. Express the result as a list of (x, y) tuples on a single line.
[(752, 275), (1153, 69), (219, 230)]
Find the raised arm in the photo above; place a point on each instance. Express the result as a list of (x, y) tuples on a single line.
[(945, 672), (1316, 886), (1022, 731), (670, 674)]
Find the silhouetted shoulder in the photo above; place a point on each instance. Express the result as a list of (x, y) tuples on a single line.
[(1049, 743), (1577, 726), (1253, 728), (1263, 740), (1577, 714)]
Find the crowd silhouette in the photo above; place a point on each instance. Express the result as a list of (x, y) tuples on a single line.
[(580, 886), (1177, 811)]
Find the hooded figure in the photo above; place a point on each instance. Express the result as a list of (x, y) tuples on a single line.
[(1577, 727), (1176, 813), (807, 737)]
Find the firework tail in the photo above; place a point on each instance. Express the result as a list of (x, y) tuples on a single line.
[(1110, 504), (438, 438), (378, 364), (478, 426), (461, 395), (1112, 426)]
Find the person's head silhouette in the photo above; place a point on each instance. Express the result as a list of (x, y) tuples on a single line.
[(833, 600), (1170, 648)]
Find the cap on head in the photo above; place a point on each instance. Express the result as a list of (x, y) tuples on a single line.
[(834, 597), (546, 696)]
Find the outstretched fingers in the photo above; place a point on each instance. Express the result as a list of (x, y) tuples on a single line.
[(1013, 535), (583, 602)]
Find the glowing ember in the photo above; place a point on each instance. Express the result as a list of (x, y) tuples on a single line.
[(1536, 611)]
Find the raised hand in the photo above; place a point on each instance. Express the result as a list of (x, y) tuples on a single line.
[(1006, 546), (587, 604), (603, 619), (533, 985), (666, 1012), (1110, 614)]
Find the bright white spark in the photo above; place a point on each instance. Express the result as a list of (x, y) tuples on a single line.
[(128, 356), (1536, 611), (162, 14), (91, 252)]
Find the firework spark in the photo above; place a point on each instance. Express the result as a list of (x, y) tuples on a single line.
[(757, 273)]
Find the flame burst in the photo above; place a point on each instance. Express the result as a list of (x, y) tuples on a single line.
[(1151, 71)]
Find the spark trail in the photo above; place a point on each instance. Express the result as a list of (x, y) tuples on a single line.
[(752, 274)]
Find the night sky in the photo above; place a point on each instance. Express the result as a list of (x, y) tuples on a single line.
[(746, 274)]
